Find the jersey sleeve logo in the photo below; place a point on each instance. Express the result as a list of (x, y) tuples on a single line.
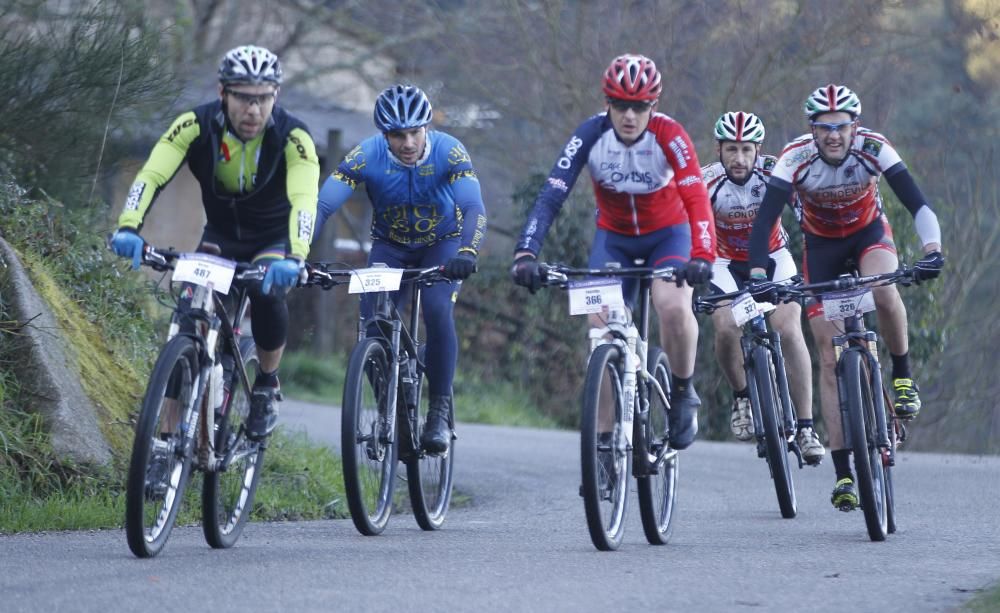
[(134, 196), (458, 155), (305, 226), (871, 146), (680, 149), (569, 152), (355, 159)]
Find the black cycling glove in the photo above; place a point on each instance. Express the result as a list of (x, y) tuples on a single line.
[(525, 273)]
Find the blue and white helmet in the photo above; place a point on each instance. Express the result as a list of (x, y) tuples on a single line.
[(401, 107), (250, 64)]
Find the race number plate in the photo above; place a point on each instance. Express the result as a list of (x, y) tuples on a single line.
[(746, 308), (841, 305), (594, 295), (205, 270), (378, 279)]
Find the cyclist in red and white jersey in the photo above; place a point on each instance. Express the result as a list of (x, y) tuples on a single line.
[(651, 205), (736, 185), (835, 171)]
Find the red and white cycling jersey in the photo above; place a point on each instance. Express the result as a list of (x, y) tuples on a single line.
[(736, 206), (836, 201), (640, 188)]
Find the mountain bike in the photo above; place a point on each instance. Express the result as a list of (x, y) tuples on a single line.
[(195, 407), (770, 402), (626, 401), (871, 429), (383, 410)]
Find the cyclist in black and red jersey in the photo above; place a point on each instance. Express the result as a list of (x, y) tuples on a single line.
[(834, 170), (259, 177), (651, 205), (736, 185)]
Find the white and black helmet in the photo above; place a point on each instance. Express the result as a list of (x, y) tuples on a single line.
[(830, 99), (250, 64), (739, 126), (402, 107)]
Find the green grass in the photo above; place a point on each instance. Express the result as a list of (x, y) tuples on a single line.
[(321, 379), (986, 602)]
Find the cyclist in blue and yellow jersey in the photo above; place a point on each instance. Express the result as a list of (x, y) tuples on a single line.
[(736, 185), (427, 211), (259, 177), (651, 205), (834, 170)]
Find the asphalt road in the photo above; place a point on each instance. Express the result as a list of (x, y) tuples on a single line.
[(519, 543)]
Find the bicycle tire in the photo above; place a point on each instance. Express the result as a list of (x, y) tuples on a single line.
[(605, 467), (867, 456), (149, 520), (429, 477), (769, 398), (369, 459), (228, 495), (657, 492)]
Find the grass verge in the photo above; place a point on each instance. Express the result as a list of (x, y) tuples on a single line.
[(986, 602)]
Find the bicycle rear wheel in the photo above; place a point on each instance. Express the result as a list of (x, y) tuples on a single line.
[(658, 491), (768, 403), (604, 459), (368, 454), (160, 465), (867, 455), (228, 491), (429, 478)]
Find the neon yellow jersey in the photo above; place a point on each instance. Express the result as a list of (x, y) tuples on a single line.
[(242, 188)]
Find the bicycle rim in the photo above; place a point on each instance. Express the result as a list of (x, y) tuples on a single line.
[(606, 463), (369, 456), (429, 480), (657, 492), (153, 498), (227, 495), (890, 492), (769, 399), (867, 456)]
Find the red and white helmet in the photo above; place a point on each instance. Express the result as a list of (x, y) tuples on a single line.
[(738, 126), (632, 77), (830, 99)]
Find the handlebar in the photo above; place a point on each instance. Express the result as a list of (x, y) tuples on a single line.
[(558, 274), (325, 276), (799, 292), (163, 260)]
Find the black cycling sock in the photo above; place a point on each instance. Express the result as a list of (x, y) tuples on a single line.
[(901, 366), (681, 385), (842, 463), (804, 423), (743, 393), (266, 379)]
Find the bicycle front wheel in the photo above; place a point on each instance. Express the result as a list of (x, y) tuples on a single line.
[(867, 455), (228, 491), (769, 404), (369, 455), (429, 479), (160, 465), (657, 491), (890, 492), (604, 457)]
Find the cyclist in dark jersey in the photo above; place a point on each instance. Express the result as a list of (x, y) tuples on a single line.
[(259, 177), (834, 171), (651, 205), (427, 210)]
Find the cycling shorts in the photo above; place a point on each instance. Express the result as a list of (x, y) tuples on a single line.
[(729, 276), (664, 247)]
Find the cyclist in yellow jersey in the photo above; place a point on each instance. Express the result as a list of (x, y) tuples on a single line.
[(259, 176)]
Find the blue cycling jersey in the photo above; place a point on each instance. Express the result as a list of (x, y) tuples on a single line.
[(414, 206)]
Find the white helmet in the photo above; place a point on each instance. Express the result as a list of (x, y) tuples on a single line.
[(740, 127), (832, 98), (250, 64)]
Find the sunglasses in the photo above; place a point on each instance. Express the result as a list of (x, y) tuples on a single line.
[(248, 99), (828, 128), (623, 106)]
